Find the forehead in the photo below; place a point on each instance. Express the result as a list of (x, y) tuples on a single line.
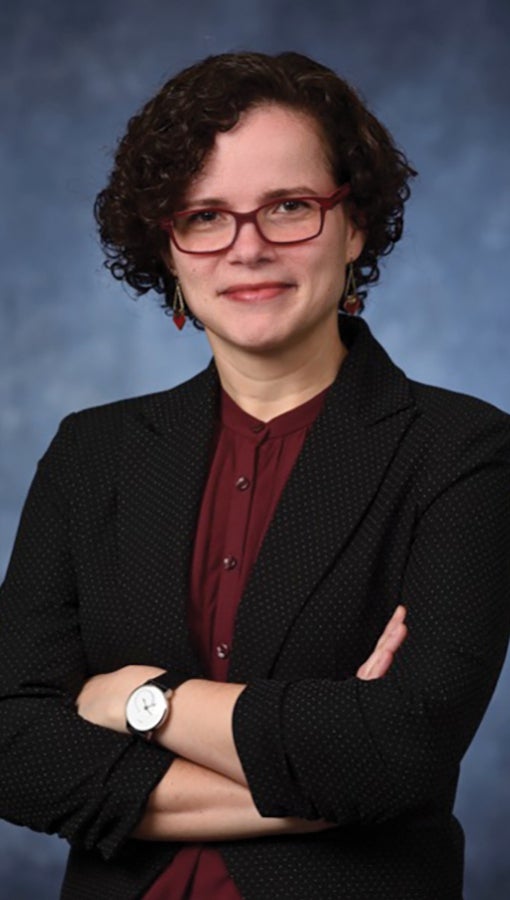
[(271, 147)]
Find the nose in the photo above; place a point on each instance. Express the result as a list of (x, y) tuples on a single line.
[(249, 246)]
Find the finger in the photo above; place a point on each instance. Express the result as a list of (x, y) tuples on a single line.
[(375, 667), (371, 665), (389, 642), (396, 619), (380, 660), (395, 638), (382, 664)]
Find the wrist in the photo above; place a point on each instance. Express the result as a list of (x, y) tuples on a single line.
[(148, 706)]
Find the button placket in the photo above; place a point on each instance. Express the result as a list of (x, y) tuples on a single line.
[(233, 543)]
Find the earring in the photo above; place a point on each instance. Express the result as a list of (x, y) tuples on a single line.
[(178, 307), (351, 300)]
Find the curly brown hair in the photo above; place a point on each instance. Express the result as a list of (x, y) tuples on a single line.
[(166, 145)]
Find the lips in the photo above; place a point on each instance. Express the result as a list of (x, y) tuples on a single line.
[(262, 290)]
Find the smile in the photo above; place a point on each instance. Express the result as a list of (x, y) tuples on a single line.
[(265, 290)]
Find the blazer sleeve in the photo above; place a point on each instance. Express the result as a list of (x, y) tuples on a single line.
[(59, 773), (367, 751)]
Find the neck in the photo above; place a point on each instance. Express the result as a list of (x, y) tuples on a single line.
[(267, 385)]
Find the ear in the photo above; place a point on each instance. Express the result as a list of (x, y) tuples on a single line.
[(355, 241), (166, 256)]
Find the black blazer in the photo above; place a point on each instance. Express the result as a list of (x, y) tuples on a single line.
[(401, 493)]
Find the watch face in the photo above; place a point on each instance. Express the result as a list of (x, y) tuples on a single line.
[(146, 708)]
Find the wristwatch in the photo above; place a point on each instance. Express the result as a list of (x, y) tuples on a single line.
[(147, 707)]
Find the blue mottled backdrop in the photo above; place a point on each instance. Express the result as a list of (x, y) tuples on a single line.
[(438, 74)]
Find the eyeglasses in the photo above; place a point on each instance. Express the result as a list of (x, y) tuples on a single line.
[(287, 220)]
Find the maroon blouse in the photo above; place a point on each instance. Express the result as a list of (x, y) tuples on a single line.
[(251, 464)]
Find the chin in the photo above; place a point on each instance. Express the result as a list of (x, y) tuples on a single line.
[(270, 344)]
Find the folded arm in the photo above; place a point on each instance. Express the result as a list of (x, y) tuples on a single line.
[(192, 803), (199, 727), (367, 750)]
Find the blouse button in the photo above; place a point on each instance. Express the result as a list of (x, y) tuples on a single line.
[(258, 427), (242, 483), (230, 562), (222, 651)]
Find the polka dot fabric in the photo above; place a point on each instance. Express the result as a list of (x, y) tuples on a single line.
[(401, 493)]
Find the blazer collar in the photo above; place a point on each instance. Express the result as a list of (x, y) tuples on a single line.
[(166, 457)]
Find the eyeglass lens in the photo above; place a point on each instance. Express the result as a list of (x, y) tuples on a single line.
[(208, 230)]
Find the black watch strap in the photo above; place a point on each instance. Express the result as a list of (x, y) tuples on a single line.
[(169, 680)]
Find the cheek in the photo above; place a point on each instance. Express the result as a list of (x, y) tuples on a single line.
[(197, 281), (329, 266), (191, 274), (329, 276)]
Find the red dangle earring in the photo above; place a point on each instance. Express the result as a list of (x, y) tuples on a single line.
[(178, 307), (351, 300)]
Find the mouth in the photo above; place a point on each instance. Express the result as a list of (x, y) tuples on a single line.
[(263, 290)]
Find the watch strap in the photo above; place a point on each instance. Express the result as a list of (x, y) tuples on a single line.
[(169, 680)]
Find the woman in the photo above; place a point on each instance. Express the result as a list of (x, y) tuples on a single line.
[(190, 743)]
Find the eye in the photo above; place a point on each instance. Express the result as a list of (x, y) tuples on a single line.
[(293, 205), (201, 216), (201, 219), (291, 208)]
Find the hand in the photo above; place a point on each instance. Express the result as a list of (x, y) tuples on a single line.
[(380, 660), (102, 699)]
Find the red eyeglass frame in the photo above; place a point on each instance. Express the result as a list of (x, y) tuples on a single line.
[(325, 203)]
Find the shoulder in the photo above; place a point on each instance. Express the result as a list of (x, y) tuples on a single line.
[(166, 404), (455, 436), (454, 418), (449, 435), (439, 404), (97, 433), (169, 405), (445, 425)]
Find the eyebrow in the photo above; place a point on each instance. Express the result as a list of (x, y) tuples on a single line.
[(300, 190)]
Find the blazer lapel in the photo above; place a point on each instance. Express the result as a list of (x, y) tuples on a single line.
[(163, 469), (336, 476)]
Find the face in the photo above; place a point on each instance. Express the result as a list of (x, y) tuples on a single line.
[(257, 297)]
